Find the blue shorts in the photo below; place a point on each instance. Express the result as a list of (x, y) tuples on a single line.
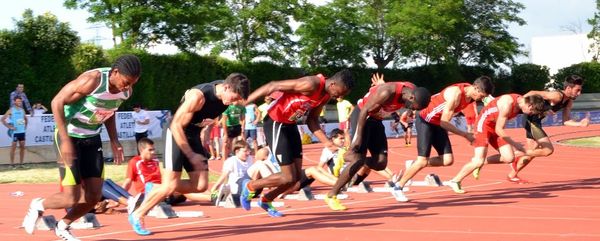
[(250, 134)]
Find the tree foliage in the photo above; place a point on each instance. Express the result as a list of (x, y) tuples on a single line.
[(456, 31), (186, 24), (259, 28), (38, 54), (333, 34), (594, 34)]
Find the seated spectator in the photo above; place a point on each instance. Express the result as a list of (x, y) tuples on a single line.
[(235, 169)]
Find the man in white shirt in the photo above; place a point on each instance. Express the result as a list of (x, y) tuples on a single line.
[(141, 119)]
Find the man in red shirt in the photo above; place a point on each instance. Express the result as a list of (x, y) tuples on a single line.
[(433, 124), (368, 133), (489, 130), (143, 168), (293, 100)]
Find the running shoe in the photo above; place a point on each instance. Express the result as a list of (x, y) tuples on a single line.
[(456, 187), (399, 194), (268, 206), (334, 204), (246, 196), (138, 226), (65, 234), (33, 215), (517, 180)]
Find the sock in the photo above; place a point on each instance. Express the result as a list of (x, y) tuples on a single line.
[(359, 179), (62, 225), (39, 205), (249, 187), (265, 200)]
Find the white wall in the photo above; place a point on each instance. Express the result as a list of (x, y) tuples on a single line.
[(558, 52)]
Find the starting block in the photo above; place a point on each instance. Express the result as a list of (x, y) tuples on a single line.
[(430, 180), (230, 203), (362, 187), (226, 199), (305, 194), (163, 210), (340, 196), (88, 221), (46, 223)]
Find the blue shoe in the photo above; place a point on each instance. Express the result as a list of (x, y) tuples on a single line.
[(267, 206), (138, 227), (246, 196)]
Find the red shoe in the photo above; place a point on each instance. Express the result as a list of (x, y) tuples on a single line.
[(517, 180)]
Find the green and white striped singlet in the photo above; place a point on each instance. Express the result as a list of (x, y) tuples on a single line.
[(86, 116)]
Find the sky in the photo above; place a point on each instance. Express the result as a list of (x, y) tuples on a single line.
[(543, 17)]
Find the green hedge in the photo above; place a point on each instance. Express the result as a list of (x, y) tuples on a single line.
[(166, 77)]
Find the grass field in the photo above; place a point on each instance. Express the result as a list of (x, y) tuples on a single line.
[(48, 173), (586, 142)]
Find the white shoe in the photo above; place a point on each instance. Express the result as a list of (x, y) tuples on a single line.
[(399, 195), (65, 234), (32, 216)]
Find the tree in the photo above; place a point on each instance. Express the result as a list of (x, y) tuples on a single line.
[(38, 54), (259, 29), (486, 40), (456, 31), (594, 34), (333, 34), (184, 23)]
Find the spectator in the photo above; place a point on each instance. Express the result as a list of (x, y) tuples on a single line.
[(235, 169), (263, 112), (344, 108), (141, 119), (231, 122), (215, 140), (38, 109), (252, 114), (19, 92), (17, 123)]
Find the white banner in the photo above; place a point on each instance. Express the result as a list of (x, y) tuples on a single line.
[(458, 121), (40, 129)]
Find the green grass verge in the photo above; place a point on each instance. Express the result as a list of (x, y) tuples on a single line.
[(586, 142), (48, 173)]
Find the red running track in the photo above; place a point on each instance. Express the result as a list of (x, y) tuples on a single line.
[(562, 203)]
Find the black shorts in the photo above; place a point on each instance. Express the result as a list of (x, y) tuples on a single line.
[(533, 127), (430, 135), (373, 134), (140, 135), (18, 137), (304, 180), (410, 125), (284, 141), (175, 160), (88, 162), (234, 131)]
